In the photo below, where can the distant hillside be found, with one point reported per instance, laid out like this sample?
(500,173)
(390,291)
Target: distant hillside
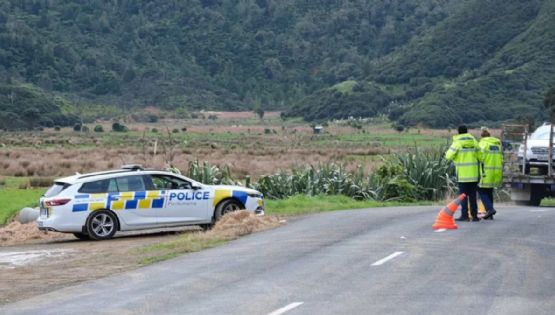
(409,59)
(26,107)
(489,61)
(212,54)
(510,64)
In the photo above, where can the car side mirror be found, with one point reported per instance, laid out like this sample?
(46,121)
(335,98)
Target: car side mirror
(195,187)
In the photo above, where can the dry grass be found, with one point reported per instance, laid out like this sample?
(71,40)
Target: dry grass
(252,159)
(16,233)
(230,227)
(246,149)
(239,223)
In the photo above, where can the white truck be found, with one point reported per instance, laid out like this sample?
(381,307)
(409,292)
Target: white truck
(528,169)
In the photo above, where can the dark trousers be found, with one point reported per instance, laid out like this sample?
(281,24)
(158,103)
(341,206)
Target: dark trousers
(486,195)
(470,190)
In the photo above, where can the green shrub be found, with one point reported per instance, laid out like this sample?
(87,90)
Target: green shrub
(36,182)
(210,174)
(422,175)
(77,127)
(98,128)
(118,127)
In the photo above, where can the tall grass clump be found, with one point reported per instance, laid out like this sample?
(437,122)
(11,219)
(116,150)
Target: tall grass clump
(420,175)
(210,174)
(431,174)
(328,179)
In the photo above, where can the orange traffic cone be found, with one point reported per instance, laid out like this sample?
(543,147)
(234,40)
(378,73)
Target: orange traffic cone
(444,218)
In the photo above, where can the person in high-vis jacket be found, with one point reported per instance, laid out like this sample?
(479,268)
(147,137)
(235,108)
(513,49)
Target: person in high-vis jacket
(464,153)
(491,170)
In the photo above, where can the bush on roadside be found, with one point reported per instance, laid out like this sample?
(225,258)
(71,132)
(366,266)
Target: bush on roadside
(37,182)
(421,175)
(98,128)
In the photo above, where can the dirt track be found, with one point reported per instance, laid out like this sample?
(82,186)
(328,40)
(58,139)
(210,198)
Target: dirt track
(44,265)
(44,262)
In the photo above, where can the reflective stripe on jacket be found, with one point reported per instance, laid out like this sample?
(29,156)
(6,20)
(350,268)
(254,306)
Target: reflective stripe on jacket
(464,153)
(491,162)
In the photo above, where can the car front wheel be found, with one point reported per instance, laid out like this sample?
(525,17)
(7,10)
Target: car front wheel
(227,206)
(101,225)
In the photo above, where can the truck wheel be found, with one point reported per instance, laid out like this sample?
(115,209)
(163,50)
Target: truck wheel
(537,192)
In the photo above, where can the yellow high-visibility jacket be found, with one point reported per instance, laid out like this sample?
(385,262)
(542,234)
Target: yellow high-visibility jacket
(491,162)
(464,153)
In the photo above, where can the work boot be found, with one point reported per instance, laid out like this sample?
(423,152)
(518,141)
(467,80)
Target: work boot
(489,214)
(461,219)
(475,219)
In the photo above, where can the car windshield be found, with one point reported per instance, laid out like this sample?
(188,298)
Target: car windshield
(541,134)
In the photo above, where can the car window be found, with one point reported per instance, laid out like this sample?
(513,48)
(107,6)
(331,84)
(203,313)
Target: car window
(99,186)
(55,189)
(130,183)
(169,182)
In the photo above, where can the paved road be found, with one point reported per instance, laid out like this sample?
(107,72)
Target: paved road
(374,261)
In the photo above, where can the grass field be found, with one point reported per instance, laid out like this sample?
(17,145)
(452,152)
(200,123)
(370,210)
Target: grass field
(13,198)
(248,145)
(303,204)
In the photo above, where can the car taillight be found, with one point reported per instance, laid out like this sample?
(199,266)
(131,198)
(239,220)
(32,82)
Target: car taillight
(57,202)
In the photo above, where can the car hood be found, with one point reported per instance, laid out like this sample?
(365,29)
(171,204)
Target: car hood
(538,143)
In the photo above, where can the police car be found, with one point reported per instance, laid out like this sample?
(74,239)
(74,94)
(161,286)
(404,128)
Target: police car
(97,205)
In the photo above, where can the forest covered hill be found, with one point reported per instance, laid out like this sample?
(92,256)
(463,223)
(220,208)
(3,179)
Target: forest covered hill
(417,61)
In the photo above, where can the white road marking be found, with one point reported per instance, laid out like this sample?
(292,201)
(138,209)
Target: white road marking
(386,259)
(440,230)
(542,210)
(286,308)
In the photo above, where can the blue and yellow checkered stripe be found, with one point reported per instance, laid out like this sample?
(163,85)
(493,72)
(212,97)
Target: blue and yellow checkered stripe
(120,201)
(222,194)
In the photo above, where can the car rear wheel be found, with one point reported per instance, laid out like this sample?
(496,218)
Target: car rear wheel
(227,206)
(82,236)
(101,225)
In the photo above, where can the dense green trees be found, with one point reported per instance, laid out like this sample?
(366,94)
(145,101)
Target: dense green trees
(218,54)
(26,107)
(549,102)
(488,61)
(418,61)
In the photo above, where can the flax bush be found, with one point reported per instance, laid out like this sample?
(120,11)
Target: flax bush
(418,175)
(210,174)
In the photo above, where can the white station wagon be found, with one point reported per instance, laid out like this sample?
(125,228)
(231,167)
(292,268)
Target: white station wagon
(97,205)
